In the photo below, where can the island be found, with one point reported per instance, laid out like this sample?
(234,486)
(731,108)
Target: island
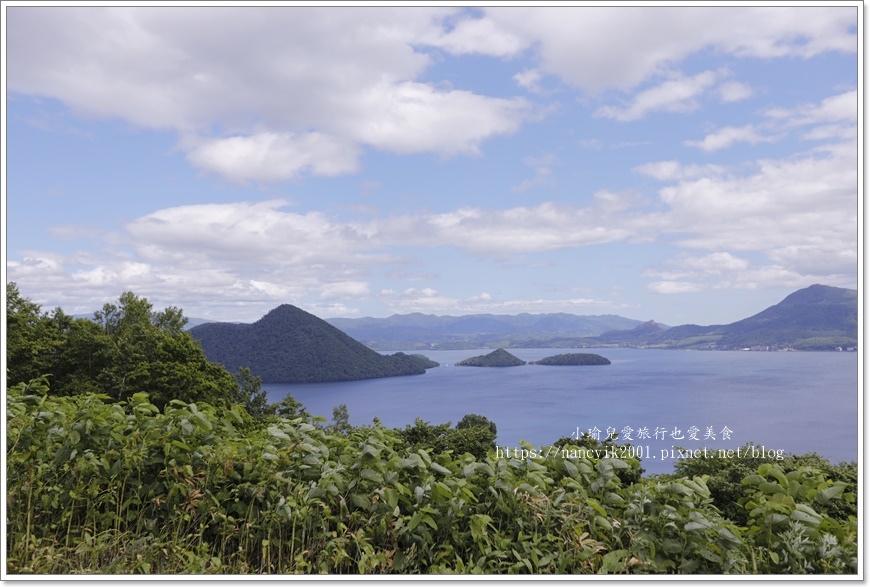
(572,359)
(497,358)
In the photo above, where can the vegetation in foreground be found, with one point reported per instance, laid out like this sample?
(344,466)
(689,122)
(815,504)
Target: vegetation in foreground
(95,486)
(119,480)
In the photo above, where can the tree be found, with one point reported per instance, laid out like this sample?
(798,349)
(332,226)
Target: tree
(126,349)
(475,435)
(289,407)
(340,420)
(477,421)
(32,337)
(251,394)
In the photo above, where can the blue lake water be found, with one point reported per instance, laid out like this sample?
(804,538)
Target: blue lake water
(791,401)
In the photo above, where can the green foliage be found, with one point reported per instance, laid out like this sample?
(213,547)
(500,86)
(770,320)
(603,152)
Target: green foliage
(586,443)
(477,421)
(787,521)
(725,477)
(128,348)
(95,486)
(474,435)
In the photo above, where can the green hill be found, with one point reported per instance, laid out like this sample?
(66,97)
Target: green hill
(497,358)
(289,345)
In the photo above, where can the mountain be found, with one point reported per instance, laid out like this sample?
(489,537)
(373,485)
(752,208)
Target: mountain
(497,358)
(642,332)
(426,331)
(818,317)
(289,345)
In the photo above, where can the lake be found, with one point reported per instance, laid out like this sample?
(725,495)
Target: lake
(784,401)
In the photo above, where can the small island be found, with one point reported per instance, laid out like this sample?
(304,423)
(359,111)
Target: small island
(572,359)
(497,358)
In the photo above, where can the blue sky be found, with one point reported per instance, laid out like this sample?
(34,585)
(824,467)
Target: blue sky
(688,165)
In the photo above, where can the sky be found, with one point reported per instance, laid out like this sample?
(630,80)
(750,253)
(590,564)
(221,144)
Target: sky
(687,165)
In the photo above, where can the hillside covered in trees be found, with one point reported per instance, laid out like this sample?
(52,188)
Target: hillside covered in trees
(289,345)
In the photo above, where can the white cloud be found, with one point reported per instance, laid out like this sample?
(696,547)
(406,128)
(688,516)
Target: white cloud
(800,200)
(835,117)
(611,201)
(675,95)
(530,79)
(727,136)
(842,107)
(269,92)
(428,300)
(723,271)
(295,90)
(275,157)
(673,287)
(413,118)
(800,212)
(734,91)
(598,48)
(481,36)
(345,289)
(674,170)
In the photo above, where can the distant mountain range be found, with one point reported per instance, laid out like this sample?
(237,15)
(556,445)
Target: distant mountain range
(818,317)
(426,331)
(289,345)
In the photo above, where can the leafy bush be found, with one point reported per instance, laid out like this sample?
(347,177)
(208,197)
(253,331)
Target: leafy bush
(95,486)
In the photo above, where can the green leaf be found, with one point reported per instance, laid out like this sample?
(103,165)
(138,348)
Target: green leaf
(278,433)
(570,468)
(829,493)
(440,469)
(359,501)
(370,475)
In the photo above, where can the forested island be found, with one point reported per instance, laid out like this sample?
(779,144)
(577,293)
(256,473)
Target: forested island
(289,345)
(497,358)
(572,359)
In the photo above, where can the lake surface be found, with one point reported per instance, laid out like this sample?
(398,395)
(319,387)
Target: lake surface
(791,401)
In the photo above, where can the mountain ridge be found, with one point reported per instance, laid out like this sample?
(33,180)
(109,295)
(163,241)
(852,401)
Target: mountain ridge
(817,317)
(429,331)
